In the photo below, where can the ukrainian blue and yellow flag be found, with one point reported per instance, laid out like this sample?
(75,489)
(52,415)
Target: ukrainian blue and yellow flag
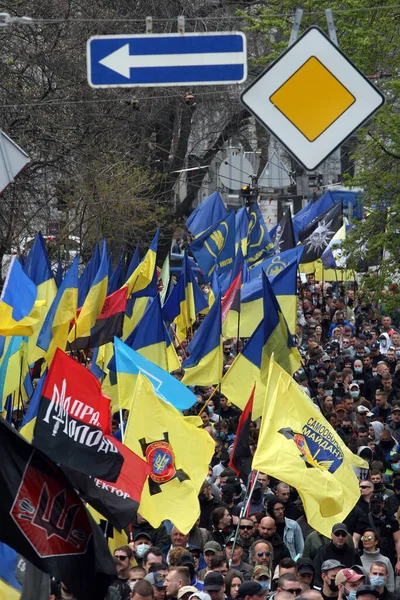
(37,267)
(271,337)
(133,264)
(177,451)
(297,445)
(215,247)
(209,212)
(12,361)
(241,229)
(204,364)
(143,275)
(184,302)
(10,588)
(18,313)
(284,286)
(88,275)
(54,332)
(259,244)
(94,301)
(150,338)
(29,421)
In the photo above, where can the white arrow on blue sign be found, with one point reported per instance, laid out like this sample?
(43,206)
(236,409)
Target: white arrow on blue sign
(166,60)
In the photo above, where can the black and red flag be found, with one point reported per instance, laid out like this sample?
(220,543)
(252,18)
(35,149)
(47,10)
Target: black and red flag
(231,300)
(74,419)
(43,519)
(241,456)
(117,501)
(108,324)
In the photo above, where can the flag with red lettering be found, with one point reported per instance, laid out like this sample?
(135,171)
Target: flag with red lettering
(119,500)
(73,421)
(231,300)
(43,519)
(108,324)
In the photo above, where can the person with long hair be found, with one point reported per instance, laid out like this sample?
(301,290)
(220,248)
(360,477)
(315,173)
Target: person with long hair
(371,553)
(233,580)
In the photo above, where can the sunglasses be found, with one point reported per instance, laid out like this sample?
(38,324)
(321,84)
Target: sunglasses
(248,527)
(120,556)
(367,538)
(365,487)
(261,554)
(341,534)
(295,592)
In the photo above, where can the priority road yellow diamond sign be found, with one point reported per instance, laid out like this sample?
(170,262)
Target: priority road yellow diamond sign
(312,98)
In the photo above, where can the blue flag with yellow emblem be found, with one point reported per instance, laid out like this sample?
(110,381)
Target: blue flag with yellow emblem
(259,244)
(216,247)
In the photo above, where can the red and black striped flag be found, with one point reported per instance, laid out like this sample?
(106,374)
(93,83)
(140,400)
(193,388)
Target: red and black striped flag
(108,324)
(241,454)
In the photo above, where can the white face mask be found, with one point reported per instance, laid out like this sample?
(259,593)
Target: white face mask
(142,549)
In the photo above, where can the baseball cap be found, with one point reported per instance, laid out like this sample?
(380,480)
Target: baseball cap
(185,589)
(374,346)
(155,579)
(363,410)
(250,588)
(377,497)
(395,407)
(305,565)
(213,581)
(327,565)
(201,595)
(231,539)
(261,571)
(212,547)
(340,407)
(339,527)
(347,575)
(367,589)
(185,559)
(142,534)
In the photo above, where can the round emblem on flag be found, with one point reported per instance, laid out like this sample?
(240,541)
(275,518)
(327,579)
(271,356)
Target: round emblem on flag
(161,458)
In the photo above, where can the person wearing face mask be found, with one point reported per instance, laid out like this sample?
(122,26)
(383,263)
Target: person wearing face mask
(371,553)
(378,575)
(387,528)
(263,576)
(329,570)
(348,582)
(376,477)
(142,542)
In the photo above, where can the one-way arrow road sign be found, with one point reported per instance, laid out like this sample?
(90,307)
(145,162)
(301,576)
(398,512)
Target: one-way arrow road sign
(166,60)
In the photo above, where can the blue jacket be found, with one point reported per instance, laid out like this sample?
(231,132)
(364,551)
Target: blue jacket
(293,538)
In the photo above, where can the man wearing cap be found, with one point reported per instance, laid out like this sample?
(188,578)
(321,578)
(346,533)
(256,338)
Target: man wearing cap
(263,576)
(348,582)
(157,581)
(186,592)
(235,558)
(378,575)
(214,585)
(305,572)
(394,424)
(329,570)
(142,542)
(363,415)
(251,590)
(187,560)
(337,549)
(368,592)
(158,536)
(209,551)
(387,528)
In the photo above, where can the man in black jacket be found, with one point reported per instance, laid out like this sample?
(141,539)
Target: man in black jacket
(267,531)
(336,549)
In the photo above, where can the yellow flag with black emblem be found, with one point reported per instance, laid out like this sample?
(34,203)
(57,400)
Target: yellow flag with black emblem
(177,451)
(297,445)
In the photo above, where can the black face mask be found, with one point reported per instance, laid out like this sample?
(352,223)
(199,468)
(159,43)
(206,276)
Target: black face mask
(347,429)
(378,486)
(332,585)
(387,443)
(376,508)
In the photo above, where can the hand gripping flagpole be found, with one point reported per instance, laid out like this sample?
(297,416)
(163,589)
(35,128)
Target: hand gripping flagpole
(243,511)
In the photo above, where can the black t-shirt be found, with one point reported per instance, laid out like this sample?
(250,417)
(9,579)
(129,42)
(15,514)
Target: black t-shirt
(123,588)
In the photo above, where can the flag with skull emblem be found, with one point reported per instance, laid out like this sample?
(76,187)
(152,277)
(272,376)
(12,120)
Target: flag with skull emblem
(316,236)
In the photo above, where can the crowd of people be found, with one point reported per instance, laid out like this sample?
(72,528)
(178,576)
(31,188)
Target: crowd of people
(351,372)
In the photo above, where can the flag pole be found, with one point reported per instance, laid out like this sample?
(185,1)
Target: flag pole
(179,343)
(208,400)
(243,510)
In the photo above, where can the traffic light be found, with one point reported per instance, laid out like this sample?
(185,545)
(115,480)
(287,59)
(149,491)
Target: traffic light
(248,194)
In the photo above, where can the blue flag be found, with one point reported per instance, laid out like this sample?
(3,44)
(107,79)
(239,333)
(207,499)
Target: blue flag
(259,244)
(206,214)
(216,247)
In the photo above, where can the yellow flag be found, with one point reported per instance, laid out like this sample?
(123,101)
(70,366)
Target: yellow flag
(178,452)
(298,446)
